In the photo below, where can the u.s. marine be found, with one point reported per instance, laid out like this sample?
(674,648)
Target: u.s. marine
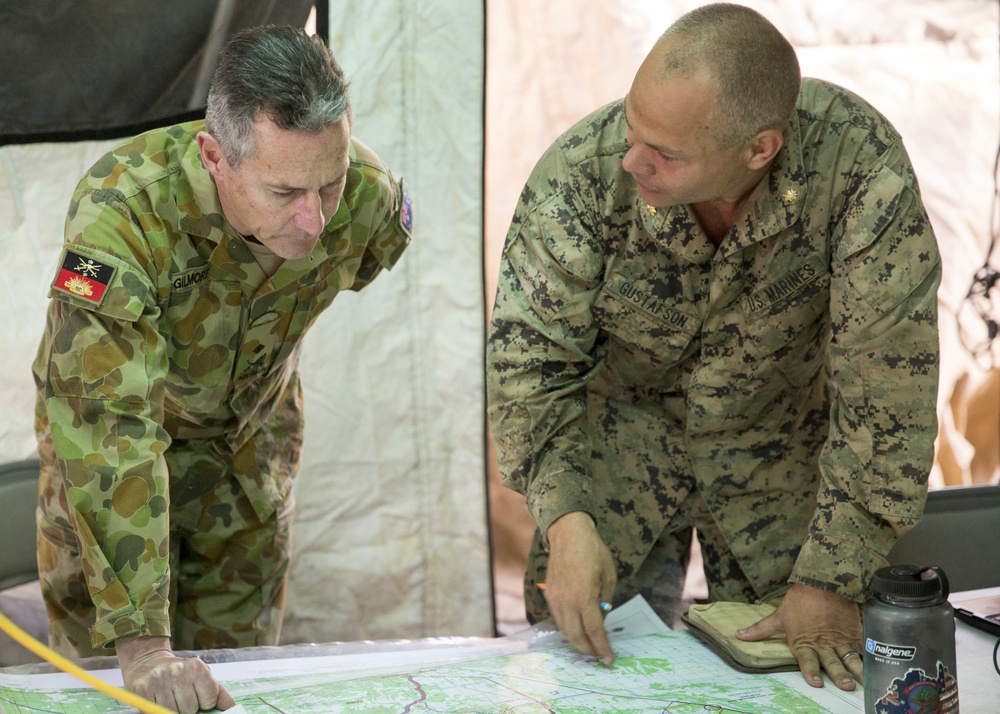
(717,311)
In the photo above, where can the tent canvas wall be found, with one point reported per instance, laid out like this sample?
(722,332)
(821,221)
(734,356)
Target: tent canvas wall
(391,534)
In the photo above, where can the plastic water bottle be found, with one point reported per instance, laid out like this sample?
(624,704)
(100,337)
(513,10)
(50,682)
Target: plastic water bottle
(909,633)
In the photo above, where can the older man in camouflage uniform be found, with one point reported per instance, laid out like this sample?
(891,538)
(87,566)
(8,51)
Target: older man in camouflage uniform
(717,310)
(170,410)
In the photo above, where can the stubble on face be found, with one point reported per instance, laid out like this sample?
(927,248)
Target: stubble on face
(286,192)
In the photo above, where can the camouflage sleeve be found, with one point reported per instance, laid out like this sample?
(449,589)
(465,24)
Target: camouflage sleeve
(384,211)
(884,360)
(540,355)
(100,374)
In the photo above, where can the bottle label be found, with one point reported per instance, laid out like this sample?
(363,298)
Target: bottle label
(917,691)
(900,653)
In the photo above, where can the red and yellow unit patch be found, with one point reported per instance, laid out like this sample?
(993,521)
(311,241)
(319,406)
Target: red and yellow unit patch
(83,277)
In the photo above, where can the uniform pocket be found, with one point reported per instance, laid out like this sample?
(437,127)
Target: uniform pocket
(789,325)
(646,337)
(201,325)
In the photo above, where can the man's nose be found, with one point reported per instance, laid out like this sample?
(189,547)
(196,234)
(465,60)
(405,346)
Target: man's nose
(309,216)
(634,163)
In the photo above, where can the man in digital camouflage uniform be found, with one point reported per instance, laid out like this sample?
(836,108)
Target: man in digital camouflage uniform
(717,310)
(170,416)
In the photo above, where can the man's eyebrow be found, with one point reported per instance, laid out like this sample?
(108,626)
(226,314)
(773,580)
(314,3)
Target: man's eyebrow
(283,187)
(661,149)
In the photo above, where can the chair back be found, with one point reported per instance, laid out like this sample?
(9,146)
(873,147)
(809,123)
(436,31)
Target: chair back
(960,532)
(18,540)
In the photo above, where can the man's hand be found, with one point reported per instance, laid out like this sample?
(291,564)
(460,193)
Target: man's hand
(820,628)
(581,574)
(151,670)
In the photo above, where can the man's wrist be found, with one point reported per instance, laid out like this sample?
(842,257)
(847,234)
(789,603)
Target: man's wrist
(130,649)
(570,525)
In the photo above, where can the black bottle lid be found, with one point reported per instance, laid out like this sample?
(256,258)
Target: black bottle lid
(910,582)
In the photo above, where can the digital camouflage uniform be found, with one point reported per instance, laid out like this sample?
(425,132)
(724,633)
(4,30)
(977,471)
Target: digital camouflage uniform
(778,392)
(169,415)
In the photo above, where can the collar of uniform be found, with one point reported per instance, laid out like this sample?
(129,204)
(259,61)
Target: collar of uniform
(198,209)
(677,229)
(232,256)
(777,201)
(352,187)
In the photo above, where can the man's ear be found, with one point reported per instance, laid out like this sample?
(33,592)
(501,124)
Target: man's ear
(211,153)
(763,148)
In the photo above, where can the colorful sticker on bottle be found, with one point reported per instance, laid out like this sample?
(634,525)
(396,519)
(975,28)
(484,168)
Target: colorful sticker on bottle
(919,693)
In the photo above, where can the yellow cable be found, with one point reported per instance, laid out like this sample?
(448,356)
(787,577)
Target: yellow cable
(143,705)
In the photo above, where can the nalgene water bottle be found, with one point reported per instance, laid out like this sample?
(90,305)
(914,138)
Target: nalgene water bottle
(909,632)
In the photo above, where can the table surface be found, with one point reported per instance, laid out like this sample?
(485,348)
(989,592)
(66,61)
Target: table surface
(978,681)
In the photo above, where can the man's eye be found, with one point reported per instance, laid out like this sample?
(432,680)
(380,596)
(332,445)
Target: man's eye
(281,194)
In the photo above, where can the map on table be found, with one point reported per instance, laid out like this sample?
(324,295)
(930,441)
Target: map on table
(656,670)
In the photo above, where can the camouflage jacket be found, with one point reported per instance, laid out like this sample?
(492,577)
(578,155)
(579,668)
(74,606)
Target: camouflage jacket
(162,328)
(789,375)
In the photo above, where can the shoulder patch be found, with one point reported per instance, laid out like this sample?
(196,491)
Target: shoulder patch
(83,277)
(405,207)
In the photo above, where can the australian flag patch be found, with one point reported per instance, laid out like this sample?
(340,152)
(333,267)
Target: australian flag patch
(405,208)
(83,277)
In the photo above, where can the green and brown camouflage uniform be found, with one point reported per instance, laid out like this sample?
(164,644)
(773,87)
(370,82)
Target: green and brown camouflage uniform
(777,392)
(169,413)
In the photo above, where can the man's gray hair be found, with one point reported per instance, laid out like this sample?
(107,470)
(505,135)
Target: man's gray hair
(276,72)
(755,67)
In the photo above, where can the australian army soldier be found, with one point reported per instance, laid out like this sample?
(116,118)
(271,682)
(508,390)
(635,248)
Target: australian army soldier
(169,412)
(717,311)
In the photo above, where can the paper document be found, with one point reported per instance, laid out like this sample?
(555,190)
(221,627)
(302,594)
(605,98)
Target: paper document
(656,670)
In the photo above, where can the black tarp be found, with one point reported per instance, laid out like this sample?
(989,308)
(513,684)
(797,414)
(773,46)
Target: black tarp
(88,69)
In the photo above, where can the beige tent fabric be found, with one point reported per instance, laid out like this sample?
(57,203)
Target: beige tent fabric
(390,537)
(930,66)
(548,63)
(967,450)
(390,532)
